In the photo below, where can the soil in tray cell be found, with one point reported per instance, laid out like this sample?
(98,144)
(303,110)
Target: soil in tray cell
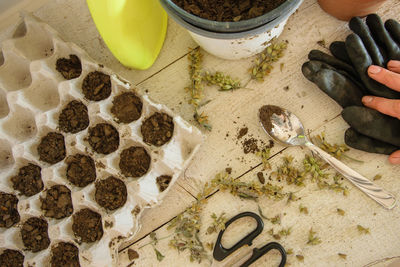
(81,170)
(52,148)
(57,203)
(163,182)
(87,226)
(69,68)
(96,86)
(11,258)
(228,10)
(29,180)
(157,129)
(34,234)
(8,210)
(65,254)
(74,117)
(103,138)
(127,107)
(111,193)
(134,161)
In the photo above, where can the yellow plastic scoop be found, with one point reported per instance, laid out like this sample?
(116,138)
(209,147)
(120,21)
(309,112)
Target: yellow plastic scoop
(133,30)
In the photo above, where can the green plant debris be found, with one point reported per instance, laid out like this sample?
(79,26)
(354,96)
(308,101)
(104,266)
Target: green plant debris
(223,81)
(303,209)
(265,154)
(218,223)
(261,213)
(340,212)
(276,219)
(362,230)
(160,256)
(291,197)
(285,231)
(289,251)
(313,239)
(263,65)
(377,177)
(210,245)
(322,43)
(343,256)
(300,257)
(336,150)
(275,236)
(287,172)
(153,237)
(246,190)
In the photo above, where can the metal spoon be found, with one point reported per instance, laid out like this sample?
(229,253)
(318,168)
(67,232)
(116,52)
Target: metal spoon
(286,128)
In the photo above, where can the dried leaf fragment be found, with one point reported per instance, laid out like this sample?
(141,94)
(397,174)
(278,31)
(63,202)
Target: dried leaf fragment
(363,230)
(160,256)
(300,257)
(343,256)
(313,239)
(340,212)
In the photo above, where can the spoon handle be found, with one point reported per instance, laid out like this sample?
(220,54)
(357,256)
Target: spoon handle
(384,198)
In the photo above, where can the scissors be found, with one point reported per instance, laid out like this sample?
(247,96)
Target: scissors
(246,252)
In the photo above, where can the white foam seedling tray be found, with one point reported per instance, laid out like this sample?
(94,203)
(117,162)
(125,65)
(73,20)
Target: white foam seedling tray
(32,95)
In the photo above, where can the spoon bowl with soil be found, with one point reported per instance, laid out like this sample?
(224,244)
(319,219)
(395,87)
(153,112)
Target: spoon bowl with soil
(286,128)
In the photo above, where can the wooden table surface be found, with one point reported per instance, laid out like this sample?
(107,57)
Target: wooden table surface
(230,111)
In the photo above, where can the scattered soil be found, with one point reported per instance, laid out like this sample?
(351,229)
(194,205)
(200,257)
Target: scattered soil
(74,117)
(65,254)
(134,162)
(136,210)
(250,145)
(81,170)
(103,138)
(260,177)
(57,203)
(111,193)
(265,115)
(69,68)
(96,86)
(11,258)
(163,182)
(34,234)
(228,10)
(87,225)
(157,129)
(242,132)
(29,180)
(52,148)
(132,254)
(228,170)
(8,210)
(127,107)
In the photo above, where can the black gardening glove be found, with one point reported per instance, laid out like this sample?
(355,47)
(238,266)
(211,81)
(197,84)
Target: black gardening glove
(344,78)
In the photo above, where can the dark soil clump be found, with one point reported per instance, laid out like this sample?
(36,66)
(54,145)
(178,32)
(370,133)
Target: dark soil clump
(87,226)
(69,68)
(250,146)
(11,258)
(111,193)
(260,177)
(132,254)
(8,210)
(157,129)
(242,132)
(52,148)
(103,138)
(57,203)
(96,86)
(163,182)
(81,170)
(228,10)
(265,115)
(127,107)
(29,180)
(74,117)
(65,254)
(134,161)
(34,234)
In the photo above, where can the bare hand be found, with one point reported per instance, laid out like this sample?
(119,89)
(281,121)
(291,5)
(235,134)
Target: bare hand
(391,78)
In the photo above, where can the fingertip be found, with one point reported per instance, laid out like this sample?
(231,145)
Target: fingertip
(373,70)
(395,158)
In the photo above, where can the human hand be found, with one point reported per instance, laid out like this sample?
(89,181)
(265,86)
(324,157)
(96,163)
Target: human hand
(391,78)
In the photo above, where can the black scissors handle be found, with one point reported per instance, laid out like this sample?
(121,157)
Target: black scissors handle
(221,253)
(258,252)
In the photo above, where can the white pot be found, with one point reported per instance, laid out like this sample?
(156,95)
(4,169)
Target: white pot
(235,45)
